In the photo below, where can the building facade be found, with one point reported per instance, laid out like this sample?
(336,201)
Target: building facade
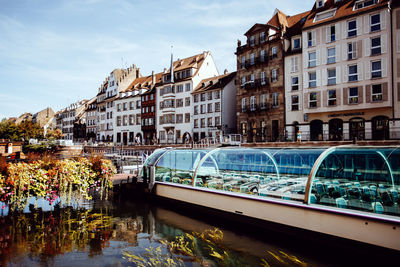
(260,84)
(174,107)
(91,119)
(214,101)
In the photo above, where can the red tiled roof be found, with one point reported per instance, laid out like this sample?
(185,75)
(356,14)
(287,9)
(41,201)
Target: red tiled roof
(213,83)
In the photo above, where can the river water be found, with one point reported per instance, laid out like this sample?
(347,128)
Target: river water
(142,233)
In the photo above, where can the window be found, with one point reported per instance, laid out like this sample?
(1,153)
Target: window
(352,50)
(332,98)
(203,97)
(320,3)
(312,79)
(262,37)
(365,3)
(353,75)
(331,34)
(252,103)
(263,101)
(131,105)
(376,92)
(217,94)
(252,77)
(295,102)
(162,135)
(295,83)
(274,52)
(196,123)
(209,122)
(353,95)
(262,56)
(187,101)
(125,120)
(209,107)
(311,38)
(376,69)
(118,107)
(203,108)
(376,46)
(131,119)
(243,80)
(118,137)
(179,102)
(180,88)
(351,28)
(196,110)
(375,22)
(296,43)
(274,76)
(217,107)
(217,121)
(203,123)
(187,117)
(243,62)
(331,55)
(325,15)
(196,98)
(179,118)
(118,120)
(331,76)
(312,59)
(252,40)
(152,96)
(138,119)
(312,102)
(263,78)
(209,96)
(244,105)
(275,100)
(138,104)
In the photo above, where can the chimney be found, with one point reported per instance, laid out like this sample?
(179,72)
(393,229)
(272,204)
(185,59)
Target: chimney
(239,43)
(204,53)
(225,72)
(137,73)
(165,70)
(153,78)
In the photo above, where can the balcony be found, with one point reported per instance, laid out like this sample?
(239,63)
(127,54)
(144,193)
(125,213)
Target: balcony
(257,62)
(258,83)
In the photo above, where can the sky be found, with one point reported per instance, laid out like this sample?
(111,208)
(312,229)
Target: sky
(54,53)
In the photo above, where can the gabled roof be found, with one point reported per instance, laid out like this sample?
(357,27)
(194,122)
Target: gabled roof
(213,83)
(344,9)
(195,61)
(278,20)
(255,27)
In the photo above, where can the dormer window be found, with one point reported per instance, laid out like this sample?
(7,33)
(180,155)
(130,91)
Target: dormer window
(320,3)
(364,3)
(296,43)
(252,40)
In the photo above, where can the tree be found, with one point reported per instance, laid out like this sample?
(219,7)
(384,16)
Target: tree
(54,134)
(8,130)
(21,132)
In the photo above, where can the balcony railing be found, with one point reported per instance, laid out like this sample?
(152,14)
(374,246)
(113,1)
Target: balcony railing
(255,84)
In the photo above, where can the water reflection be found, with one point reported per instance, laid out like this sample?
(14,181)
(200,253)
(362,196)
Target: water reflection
(135,234)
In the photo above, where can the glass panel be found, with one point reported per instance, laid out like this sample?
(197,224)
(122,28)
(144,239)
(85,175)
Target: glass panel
(260,172)
(365,179)
(178,166)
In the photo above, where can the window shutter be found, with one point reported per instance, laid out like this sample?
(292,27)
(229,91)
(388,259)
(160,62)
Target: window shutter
(338,76)
(398,43)
(306,97)
(292,64)
(383,19)
(324,77)
(359,25)
(385,93)
(368,70)
(300,102)
(360,94)
(338,97)
(318,56)
(314,36)
(328,33)
(367,47)
(345,73)
(305,60)
(384,43)
(358,47)
(366,24)
(384,67)
(360,71)
(305,79)
(345,96)
(318,74)
(344,52)
(324,55)
(318,99)
(337,31)
(325,98)
(304,39)
(344,29)
(368,93)
(337,53)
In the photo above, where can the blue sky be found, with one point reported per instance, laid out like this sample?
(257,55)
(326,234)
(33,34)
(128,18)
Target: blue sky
(53,53)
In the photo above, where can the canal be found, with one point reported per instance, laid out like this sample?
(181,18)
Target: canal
(137,232)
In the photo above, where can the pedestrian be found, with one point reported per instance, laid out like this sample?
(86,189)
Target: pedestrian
(299,136)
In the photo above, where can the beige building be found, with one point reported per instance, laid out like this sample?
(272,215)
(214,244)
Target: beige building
(346,72)
(43,117)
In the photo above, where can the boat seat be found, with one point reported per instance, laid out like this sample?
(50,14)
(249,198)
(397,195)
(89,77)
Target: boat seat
(377,207)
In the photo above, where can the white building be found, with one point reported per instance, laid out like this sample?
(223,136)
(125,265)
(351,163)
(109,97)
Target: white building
(67,118)
(174,107)
(214,105)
